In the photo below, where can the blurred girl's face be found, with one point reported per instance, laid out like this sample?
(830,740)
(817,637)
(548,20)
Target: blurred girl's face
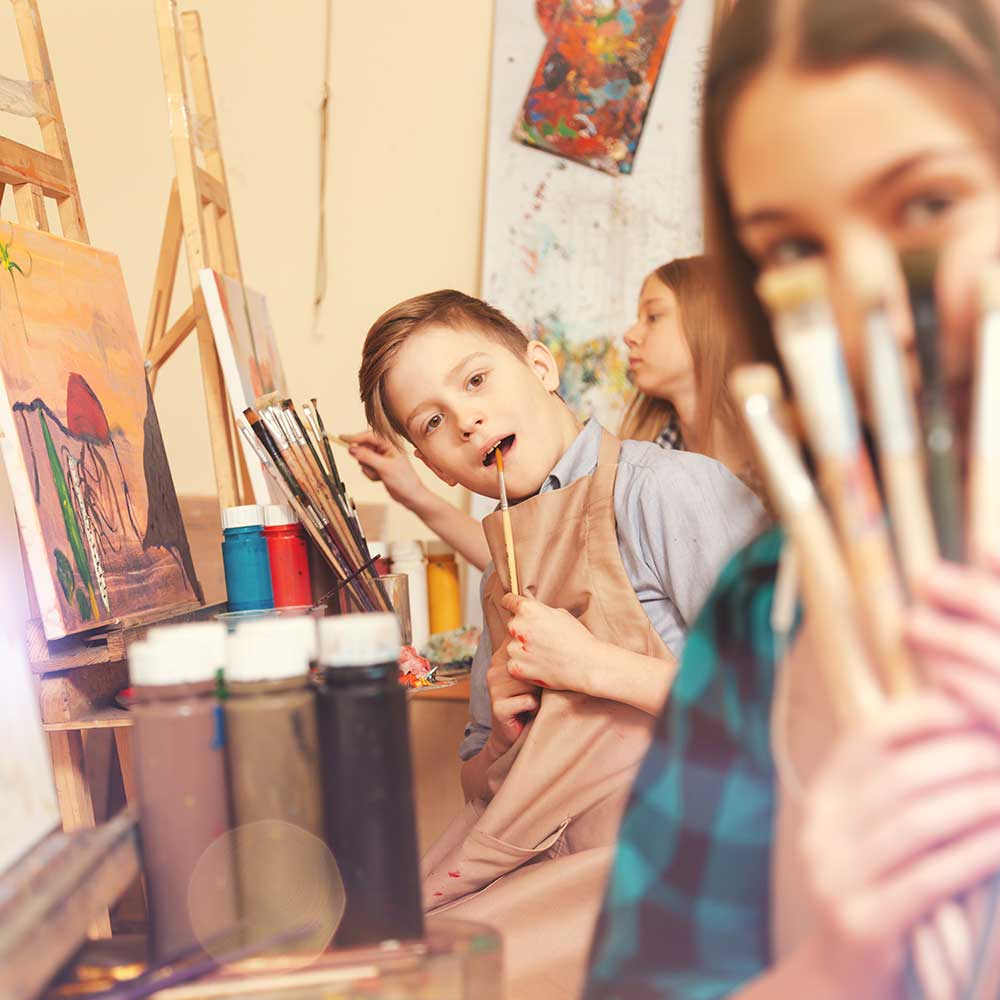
(658,353)
(852,165)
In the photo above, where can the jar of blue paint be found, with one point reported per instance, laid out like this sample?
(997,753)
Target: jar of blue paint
(244,556)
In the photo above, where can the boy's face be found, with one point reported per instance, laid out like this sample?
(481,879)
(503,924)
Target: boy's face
(457,393)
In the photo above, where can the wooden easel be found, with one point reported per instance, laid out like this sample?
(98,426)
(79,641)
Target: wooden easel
(199,213)
(79,675)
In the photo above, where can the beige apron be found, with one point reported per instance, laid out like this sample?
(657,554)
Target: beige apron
(533,859)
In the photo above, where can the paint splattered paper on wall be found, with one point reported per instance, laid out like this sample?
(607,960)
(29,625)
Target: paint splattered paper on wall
(591,91)
(248,353)
(95,501)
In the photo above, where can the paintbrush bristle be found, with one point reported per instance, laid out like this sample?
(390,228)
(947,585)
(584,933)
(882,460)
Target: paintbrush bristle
(748,381)
(871,274)
(268,399)
(793,286)
(501,480)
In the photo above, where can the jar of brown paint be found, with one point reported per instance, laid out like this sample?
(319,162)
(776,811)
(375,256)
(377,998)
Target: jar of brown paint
(178,745)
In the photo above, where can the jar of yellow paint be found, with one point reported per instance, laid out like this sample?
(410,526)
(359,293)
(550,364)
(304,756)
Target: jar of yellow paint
(443,594)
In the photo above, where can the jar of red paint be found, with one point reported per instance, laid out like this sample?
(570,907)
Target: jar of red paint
(286,548)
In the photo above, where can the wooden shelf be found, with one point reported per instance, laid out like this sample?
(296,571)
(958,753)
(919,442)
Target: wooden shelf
(111,717)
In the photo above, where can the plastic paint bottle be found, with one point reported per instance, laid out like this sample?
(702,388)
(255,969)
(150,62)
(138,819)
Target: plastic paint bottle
(444,597)
(408,557)
(272,756)
(244,557)
(288,556)
(178,746)
(367,779)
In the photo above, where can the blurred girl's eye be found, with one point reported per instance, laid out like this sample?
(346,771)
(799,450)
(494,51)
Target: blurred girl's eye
(433,424)
(925,208)
(789,250)
(476,380)
(654,317)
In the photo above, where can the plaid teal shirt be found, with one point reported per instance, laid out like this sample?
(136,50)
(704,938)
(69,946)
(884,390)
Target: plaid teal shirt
(686,914)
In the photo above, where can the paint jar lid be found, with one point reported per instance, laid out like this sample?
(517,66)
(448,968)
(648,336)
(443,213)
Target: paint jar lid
(358,640)
(191,653)
(271,649)
(439,550)
(409,550)
(248,516)
(278,514)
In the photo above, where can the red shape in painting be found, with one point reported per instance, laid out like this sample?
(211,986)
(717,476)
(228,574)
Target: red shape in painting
(84,414)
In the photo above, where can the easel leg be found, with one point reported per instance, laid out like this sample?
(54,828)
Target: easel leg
(75,804)
(123,744)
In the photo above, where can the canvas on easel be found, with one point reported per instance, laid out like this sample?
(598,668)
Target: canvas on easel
(248,353)
(93,492)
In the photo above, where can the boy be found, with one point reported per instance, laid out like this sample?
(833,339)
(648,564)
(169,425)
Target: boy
(616,546)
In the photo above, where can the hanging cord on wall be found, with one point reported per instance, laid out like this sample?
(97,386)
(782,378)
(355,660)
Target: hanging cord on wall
(319,290)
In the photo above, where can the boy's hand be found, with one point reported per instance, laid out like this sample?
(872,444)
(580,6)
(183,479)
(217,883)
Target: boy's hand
(549,647)
(381,462)
(509,698)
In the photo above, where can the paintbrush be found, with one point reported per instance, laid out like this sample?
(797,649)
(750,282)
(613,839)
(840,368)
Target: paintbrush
(315,422)
(331,479)
(309,517)
(301,502)
(984,451)
(940,445)
(324,437)
(900,454)
(809,344)
(508,534)
(165,975)
(829,600)
(983,904)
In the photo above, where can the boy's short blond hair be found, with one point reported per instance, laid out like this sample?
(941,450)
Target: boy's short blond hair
(395,326)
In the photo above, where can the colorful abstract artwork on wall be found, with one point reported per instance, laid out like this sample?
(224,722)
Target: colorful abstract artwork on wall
(248,353)
(590,93)
(95,500)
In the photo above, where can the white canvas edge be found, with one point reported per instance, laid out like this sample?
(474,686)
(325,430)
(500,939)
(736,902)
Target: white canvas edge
(29,523)
(28,817)
(231,375)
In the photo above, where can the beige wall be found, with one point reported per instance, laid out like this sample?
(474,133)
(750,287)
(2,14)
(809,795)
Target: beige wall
(409,89)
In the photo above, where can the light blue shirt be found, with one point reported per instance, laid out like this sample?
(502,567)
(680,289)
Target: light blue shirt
(680,516)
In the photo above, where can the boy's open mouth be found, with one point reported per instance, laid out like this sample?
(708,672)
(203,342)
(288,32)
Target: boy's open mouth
(503,445)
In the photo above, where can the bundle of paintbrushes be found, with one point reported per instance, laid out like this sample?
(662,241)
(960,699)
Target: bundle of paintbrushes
(298,456)
(858,568)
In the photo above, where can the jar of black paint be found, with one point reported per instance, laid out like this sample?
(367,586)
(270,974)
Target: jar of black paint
(364,739)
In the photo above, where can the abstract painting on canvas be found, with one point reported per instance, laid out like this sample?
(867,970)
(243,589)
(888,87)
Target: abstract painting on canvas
(248,353)
(591,90)
(95,500)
